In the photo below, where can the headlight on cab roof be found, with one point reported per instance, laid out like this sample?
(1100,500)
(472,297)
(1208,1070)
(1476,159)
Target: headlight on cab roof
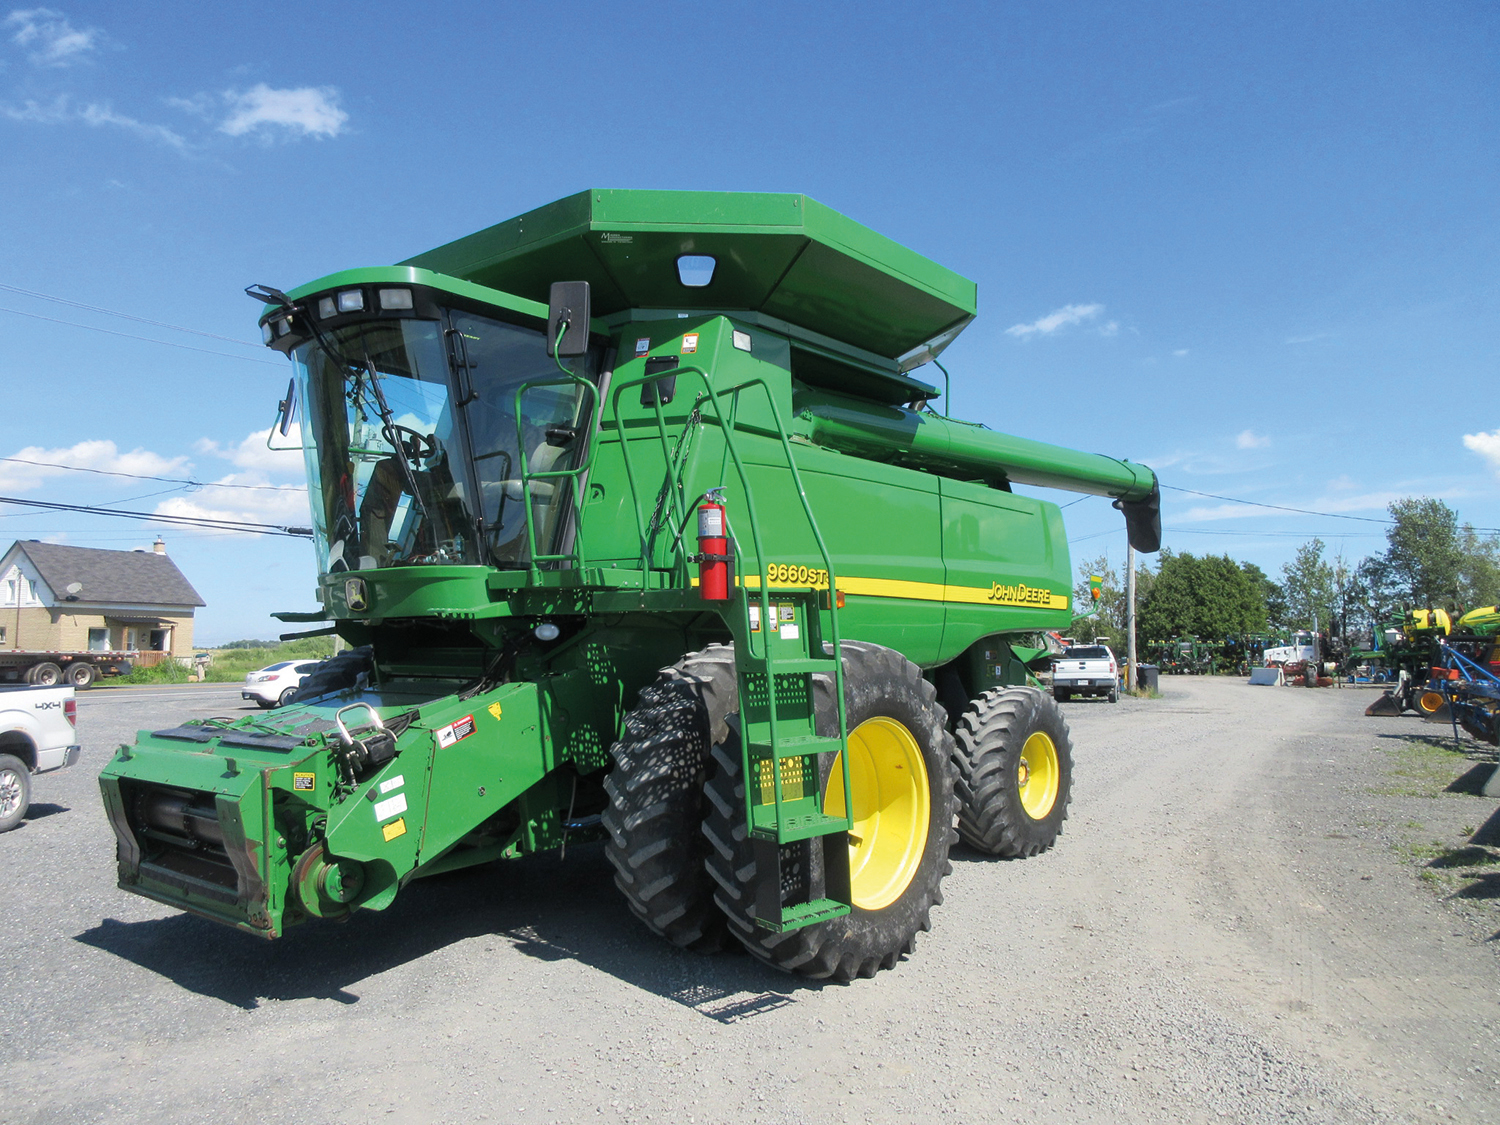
(395,299)
(352,300)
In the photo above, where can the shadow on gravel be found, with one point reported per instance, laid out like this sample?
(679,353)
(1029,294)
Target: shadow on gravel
(38,812)
(539,907)
(1488,834)
(1483,887)
(1473,779)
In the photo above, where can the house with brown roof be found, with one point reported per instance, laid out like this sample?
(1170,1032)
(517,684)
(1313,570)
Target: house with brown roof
(56,598)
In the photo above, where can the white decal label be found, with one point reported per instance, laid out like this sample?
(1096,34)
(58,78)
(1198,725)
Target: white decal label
(690,343)
(391,783)
(790,632)
(391,806)
(755,618)
(455,731)
(643,345)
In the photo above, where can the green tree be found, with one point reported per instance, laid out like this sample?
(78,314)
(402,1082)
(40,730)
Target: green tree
(1424,551)
(1308,581)
(1272,598)
(1210,598)
(1109,625)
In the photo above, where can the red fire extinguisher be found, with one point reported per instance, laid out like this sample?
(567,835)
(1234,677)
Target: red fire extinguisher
(713,551)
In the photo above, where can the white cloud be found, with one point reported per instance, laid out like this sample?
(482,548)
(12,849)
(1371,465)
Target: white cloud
(1249,439)
(62,112)
(51,40)
(1058,318)
(1110,329)
(1487,446)
(283,506)
(18,476)
(1180,352)
(311,111)
(253,455)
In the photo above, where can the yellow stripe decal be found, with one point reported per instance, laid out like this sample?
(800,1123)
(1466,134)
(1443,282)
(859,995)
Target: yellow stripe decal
(996,593)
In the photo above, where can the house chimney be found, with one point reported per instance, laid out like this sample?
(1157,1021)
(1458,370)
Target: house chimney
(160,546)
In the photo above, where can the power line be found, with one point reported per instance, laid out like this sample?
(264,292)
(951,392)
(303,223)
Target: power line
(124,315)
(155,517)
(146,339)
(145,476)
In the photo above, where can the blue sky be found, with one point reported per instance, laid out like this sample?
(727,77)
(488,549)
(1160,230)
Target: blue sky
(1254,246)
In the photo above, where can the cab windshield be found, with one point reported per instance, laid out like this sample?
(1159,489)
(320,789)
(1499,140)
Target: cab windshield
(405,469)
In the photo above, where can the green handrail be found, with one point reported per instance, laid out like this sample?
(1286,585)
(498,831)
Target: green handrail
(574,475)
(712,396)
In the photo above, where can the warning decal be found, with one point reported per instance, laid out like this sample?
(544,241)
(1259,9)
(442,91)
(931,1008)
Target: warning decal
(455,731)
(643,345)
(304,782)
(690,343)
(393,829)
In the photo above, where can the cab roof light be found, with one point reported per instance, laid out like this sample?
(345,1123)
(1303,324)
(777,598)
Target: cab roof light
(326,308)
(352,300)
(695,270)
(283,325)
(395,299)
(266,335)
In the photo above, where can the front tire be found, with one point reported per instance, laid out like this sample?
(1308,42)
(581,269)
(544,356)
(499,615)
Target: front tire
(1015,772)
(898,851)
(287,696)
(657,801)
(15,791)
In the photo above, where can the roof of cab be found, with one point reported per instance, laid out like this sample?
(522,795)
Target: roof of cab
(786,257)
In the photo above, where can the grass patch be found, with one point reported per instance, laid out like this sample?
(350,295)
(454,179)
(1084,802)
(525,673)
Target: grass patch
(1420,767)
(231,664)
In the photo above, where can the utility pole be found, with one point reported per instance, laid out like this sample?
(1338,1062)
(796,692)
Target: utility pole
(1132,676)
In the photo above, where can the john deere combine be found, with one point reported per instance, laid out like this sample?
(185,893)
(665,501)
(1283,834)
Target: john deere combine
(643,530)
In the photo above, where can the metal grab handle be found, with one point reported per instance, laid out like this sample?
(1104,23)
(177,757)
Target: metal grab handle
(344,736)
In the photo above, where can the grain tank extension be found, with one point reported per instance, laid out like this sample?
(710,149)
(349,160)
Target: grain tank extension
(641,529)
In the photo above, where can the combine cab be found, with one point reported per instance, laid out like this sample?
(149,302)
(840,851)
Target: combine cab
(642,529)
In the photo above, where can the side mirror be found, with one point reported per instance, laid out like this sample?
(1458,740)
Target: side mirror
(1143,521)
(568,312)
(288,407)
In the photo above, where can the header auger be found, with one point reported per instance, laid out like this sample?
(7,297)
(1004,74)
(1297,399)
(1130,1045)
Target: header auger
(676,556)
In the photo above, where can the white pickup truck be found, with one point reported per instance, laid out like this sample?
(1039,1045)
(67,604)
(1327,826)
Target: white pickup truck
(37,735)
(1085,670)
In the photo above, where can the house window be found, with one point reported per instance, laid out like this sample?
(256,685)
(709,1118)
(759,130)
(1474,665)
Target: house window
(98,640)
(161,640)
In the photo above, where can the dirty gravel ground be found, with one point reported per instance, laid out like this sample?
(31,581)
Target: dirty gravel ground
(1234,927)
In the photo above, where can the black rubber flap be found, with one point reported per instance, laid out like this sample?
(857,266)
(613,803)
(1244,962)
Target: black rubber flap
(190,734)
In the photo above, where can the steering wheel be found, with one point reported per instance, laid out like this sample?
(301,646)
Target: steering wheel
(415,444)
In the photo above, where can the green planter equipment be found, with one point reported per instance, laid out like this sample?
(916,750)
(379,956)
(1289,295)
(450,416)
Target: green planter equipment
(640,528)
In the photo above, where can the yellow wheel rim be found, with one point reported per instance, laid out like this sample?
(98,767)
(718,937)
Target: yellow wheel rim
(1037,775)
(1430,701)
(892,810)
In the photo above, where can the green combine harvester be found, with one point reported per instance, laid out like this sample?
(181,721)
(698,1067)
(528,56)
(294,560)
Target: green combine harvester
(642,530)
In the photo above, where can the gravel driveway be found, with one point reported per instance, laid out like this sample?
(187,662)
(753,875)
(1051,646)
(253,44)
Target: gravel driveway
(1232,928)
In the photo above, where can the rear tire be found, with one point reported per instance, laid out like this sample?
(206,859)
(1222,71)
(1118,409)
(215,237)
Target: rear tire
(1015,772)
(337,673)
(657,800)
(15,791)
(885,692)
(82,675)
(1061,695)
(265,704)
(1114,695)
(45,674)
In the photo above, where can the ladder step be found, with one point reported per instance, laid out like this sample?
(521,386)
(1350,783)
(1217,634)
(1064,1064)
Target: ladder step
(796,746)
(801,664)
(794,826)
(801,914)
